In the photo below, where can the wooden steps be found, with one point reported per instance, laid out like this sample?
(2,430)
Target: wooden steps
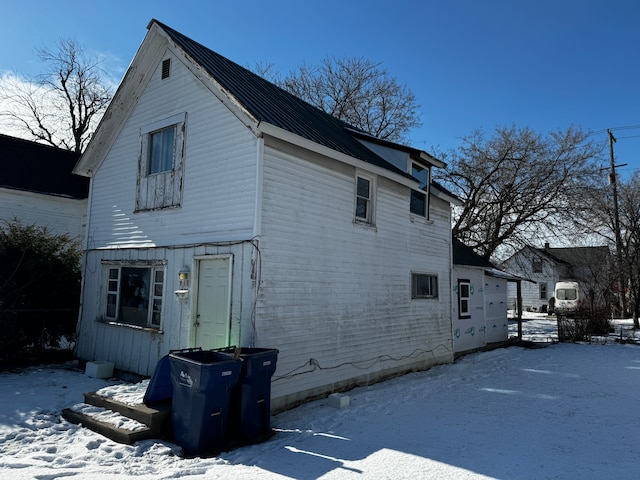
(114,419)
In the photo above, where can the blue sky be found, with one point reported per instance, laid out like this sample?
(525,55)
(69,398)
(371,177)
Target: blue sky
(545,64)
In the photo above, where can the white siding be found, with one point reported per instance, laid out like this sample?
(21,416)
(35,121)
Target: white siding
(138,350)
(216,217)
(488,307)
(521,264)
(219,172)
(60,214)
(335,296)
(468,333)
(495,298)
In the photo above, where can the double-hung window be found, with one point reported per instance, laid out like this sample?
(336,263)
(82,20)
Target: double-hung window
(464,299)
(364,199)
(134,294)
(161,164)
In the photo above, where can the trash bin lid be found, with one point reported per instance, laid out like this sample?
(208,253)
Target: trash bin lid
(160,387)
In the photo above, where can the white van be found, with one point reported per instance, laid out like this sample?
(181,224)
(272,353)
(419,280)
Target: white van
(567,297)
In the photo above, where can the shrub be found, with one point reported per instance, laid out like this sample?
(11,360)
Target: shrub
(39,291)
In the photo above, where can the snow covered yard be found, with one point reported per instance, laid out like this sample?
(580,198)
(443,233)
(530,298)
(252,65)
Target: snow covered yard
(565,411)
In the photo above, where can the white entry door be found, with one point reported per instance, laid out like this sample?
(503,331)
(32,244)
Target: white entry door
(213,304)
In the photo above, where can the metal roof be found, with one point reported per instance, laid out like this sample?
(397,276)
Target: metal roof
(271,104)
(39,168)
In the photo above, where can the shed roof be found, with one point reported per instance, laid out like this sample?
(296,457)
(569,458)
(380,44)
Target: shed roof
(465,255)
(34,167)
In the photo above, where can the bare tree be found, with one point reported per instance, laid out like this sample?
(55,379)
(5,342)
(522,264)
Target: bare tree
(519,187)
(355,90)
(629,222)
(62,106)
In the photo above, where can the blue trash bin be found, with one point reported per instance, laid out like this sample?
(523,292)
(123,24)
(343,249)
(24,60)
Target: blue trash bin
(202,382)
(250,410)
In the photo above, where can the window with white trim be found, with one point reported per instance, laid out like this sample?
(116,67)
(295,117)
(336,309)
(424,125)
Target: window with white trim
(365,187)
(464,299)
(161,164)
(134,295)
(424,285)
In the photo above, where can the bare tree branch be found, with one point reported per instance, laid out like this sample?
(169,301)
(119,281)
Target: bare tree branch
(518,183)
(62,106)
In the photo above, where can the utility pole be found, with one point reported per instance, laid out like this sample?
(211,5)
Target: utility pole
(616,227)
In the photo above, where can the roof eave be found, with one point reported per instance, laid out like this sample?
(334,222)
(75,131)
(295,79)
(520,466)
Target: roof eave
(289,137)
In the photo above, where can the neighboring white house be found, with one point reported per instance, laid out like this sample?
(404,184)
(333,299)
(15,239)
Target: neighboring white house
(37,187)
(543,267)
(479,313)
(225,211)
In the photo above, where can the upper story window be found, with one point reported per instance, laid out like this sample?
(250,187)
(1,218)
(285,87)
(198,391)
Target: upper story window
(536,265)
(364,199)
(419,198)
(161,163)
(161,150)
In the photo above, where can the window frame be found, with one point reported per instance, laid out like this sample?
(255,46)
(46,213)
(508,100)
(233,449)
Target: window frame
(112,308)
(433,286)
(536,265)
(464,301)
(161,189)
(422,192)
(165,154)
(369,217)
(544,291)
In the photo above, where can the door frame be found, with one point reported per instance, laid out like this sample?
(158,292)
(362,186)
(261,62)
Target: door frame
(196,291)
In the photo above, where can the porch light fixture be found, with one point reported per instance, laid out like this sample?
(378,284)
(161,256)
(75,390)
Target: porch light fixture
(183,278)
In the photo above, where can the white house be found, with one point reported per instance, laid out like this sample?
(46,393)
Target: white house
(38,188)
(544,267)
(224,211)
(479,312)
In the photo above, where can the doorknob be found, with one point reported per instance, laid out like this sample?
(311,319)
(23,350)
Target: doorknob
(197,324)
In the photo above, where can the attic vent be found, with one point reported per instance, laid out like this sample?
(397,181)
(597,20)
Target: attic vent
(166,68)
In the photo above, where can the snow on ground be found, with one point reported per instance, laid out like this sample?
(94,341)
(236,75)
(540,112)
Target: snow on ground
(564,411)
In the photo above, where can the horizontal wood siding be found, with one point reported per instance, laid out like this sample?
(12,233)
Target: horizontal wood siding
(335,296)
(219,179)
(59,214)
